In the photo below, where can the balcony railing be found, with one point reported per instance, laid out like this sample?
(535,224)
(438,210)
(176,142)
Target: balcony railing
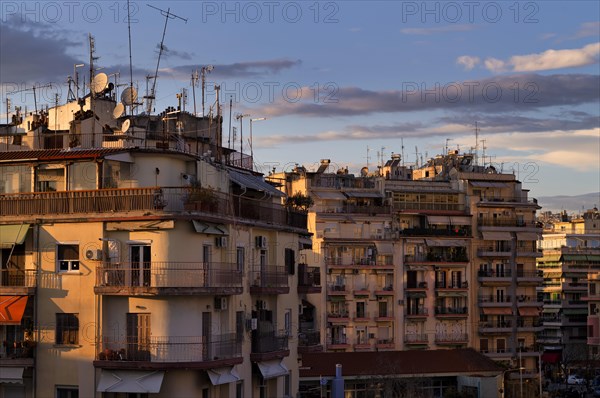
(451,338)
(505,222)
(170,349)
(491,273)
(269,341)
(427,206)
(458,232)
(451,310)
(494,299)
(271,276)
(213,277)
(13,277)
(437,256)
(307,338)
(451,285)
(169,199)
(417,312)
(415,338)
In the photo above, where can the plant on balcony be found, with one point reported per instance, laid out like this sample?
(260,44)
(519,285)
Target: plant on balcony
(200,198)
(299,201)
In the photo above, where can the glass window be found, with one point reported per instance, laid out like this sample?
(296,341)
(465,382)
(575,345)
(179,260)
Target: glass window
(82,176)
(67,329)
(67,256)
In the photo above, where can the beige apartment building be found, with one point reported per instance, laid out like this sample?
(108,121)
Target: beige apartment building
(141,261)
(442,256)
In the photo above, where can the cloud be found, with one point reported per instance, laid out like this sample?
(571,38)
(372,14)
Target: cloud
(437,29)
(588,29)
(35,53)
(467,61)
(238,70)
(518,93)
(170,53)
(547,60)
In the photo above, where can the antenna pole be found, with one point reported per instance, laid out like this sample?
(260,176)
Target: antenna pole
(130,59)
(402,146)
(194,84)
(168,15)
(477,144)
(230,111)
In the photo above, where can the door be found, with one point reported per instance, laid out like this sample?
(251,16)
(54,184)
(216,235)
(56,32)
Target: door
(141,257)
(206,261)
(138,337)
(411,279)
(456,279)
(206,340)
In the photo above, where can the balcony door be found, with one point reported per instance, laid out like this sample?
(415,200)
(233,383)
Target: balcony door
(141,257)
(206,328)
(138,337)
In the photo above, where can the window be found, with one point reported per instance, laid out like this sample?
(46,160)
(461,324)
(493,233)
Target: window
(290,261)
(240,257)
(67,257)
(483,345)
(592,289)
(239,389)
(500,345)
(286,385)
(67,392)
(288,321)
(67,328)
(239,326)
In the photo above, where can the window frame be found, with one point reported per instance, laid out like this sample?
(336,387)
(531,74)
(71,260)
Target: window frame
(73,265)
(66,322)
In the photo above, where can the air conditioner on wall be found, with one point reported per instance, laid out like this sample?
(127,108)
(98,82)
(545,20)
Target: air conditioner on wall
(221,241)
(93,254)
(261,242)
(220,303)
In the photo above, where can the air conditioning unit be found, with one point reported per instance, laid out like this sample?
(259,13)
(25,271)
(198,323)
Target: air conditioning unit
(400,302)
(220,303)
(221,241)
(261,242)
(93,254)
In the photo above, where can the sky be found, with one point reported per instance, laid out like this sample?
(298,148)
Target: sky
(349,81)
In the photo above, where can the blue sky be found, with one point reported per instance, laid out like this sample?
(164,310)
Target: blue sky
(336,78)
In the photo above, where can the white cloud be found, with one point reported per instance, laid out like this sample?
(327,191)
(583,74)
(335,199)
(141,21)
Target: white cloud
(547,60)
(588,29)
(467,61)
(495,65)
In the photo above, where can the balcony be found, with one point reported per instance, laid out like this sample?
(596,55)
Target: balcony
(17,353)
(451,338)
(339,343)
(384,344)
(20,282)
(384,291)
(362,345)
(416,313)
(493,301)
(309,341)
(506,222)
(530,326)
(163,199)
(338,317)
(491,251)
(367,209)
(458,232)
(437,257)
(510,200)
(495,327)
(168,278)
(336,290)
(457,288)
(269,280)
(451,312)
(309,279)
(169,352)
(361,290)
(268,345)
(494,277)
(416,339)
(416,287)
(357,263)
(362,316)
(530,277)
(384,316)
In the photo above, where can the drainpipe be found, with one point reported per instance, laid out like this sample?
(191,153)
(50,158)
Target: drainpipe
(38,280)
(337,386)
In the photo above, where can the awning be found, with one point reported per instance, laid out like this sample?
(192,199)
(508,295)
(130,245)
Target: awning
(529,311)
(132,381)
(223,375)
(446,242)
(208,228)
(328,195)
(527,236)
(550,258)
(272,369)
(574,257)
(11,375)
(384,248)
(460,220)
(575,311)
(551,357)
(451,293)
(438,220)
(363,194)
(12,309)
(250,181)
(416,294)
(304,242)
(11,235)
(497,311)
(496,235)
(488,184)
(551,310)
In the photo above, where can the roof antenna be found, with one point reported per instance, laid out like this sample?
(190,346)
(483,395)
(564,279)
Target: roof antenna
(168,15)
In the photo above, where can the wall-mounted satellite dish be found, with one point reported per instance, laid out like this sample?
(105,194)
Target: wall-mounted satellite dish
(125,125)
(118,111)
(129,96)
(99,83)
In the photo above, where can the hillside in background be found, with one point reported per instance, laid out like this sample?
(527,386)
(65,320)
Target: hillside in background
(572,204)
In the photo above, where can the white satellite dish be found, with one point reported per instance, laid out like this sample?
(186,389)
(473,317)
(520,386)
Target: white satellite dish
(118,111)
(99,83)
(125,125)
(129,96)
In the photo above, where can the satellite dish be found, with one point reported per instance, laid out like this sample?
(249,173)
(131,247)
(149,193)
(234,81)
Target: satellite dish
(118,111)
(129,96)
(99,83)
(125,125)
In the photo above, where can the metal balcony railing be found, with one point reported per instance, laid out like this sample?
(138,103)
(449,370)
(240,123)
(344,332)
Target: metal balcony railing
(451,337)
(170,348)
(269,276)
(309,276)
(307,338)
(505,222)
(451,310)
(269,341)
(14,277)
(169,275)
(494,299)
(415,338)
(417,312)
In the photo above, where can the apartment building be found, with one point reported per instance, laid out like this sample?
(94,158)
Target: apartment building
(440,256)
(138,261)
(570,264)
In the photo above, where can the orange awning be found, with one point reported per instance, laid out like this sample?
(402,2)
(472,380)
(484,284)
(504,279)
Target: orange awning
(529,311)
(12,309)
(497,311)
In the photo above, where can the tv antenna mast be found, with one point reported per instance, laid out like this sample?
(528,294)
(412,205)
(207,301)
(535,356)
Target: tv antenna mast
(168,15)
(477,145)
(49,85)
(195,79)
(203,71)
(402,147)
(368,157)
